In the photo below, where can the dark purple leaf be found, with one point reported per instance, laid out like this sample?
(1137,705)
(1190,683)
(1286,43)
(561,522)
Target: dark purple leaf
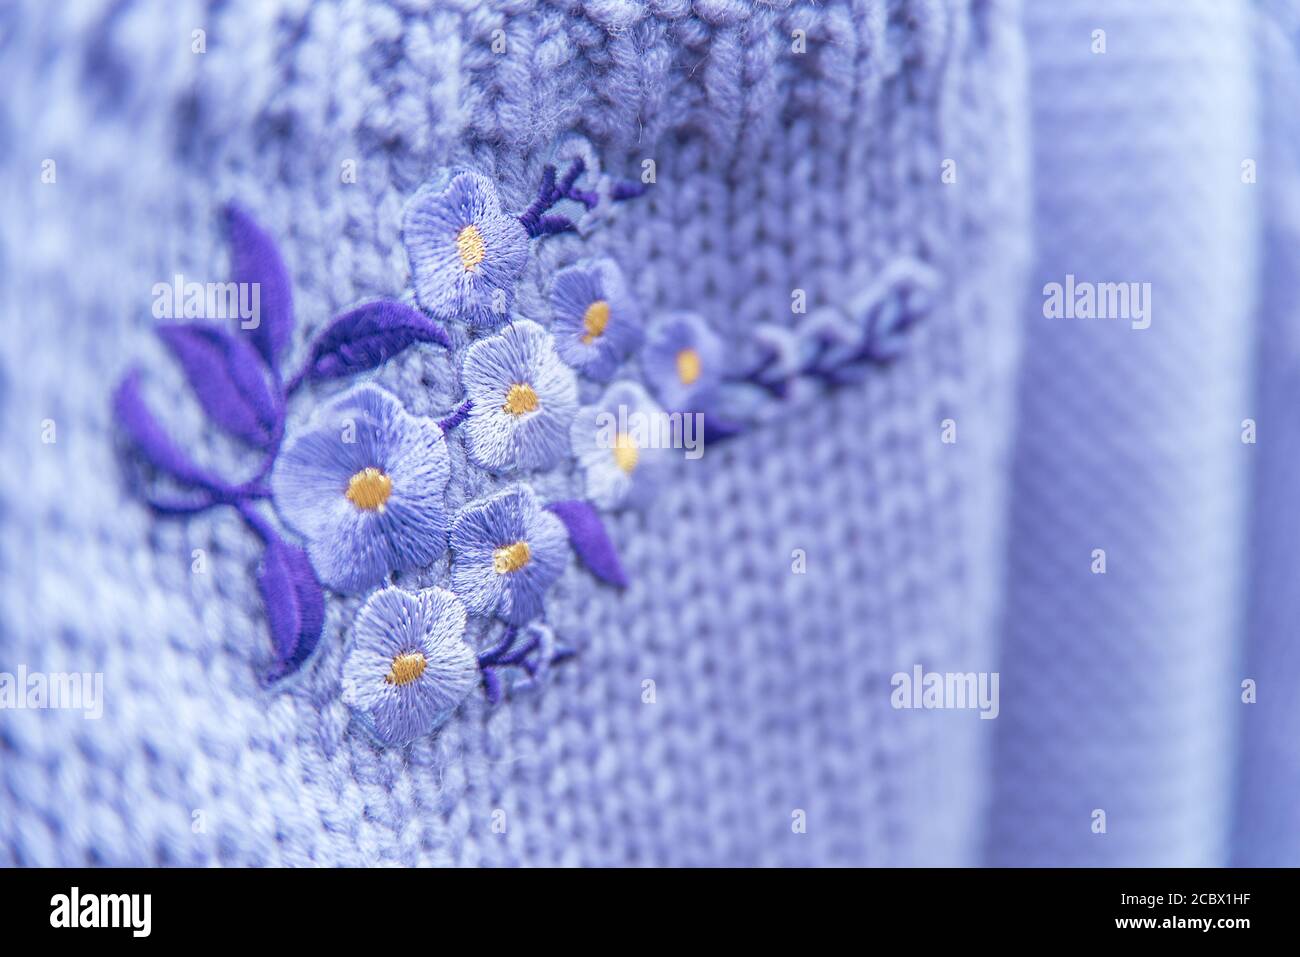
(229,379)
(295,605)
(369,336)
(148,438)
(590,540)
(719,428)
(254,258)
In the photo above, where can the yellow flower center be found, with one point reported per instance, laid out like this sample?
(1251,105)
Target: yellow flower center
(369,489)
(469,243)
(511,558)
(520,399)
(594,321)
(626,453)
(406,668)
(688,366)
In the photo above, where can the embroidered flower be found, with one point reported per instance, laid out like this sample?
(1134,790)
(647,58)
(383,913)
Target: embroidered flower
(506,552)
(621,443)
(523,399)
(682,362)
(364,486)
(407,665)
(597,323)
(466,253)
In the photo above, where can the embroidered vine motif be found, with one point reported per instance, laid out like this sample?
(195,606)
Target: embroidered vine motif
(239,385)
(361,487)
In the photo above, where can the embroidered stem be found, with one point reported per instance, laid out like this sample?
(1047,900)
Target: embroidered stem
(213,494)
(525,657)
(492,655)
(171,508)
(292,386)
(517,656)
(814,367)
(535,219)
(457,416)
(625,189)
(260,526)
(488,663)
(491,686)
(254,488)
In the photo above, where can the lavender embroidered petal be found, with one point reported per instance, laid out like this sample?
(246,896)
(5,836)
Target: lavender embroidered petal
(507,551)
(618,443)
(597,322)
(363,484)
(522,399)
(407,665)
(466,253)
(683,361)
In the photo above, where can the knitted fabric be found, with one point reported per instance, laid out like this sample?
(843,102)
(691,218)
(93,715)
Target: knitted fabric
(727,707)
(776,171)
(1121,691)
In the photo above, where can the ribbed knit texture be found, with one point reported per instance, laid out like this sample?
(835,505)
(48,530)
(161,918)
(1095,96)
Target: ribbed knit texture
(1121,691)
(1268,816)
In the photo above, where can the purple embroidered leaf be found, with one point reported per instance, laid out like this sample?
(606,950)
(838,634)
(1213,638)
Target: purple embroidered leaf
(295,605)
(719,428)
(590,541)
(149,439)
(228,377)
(254,259)
(369,336)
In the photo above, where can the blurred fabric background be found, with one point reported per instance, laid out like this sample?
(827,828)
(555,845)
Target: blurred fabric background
(1108,140)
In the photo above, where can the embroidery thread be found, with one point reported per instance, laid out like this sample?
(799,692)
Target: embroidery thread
(363,485)
(506,552)
(239,385)
(521,397)
(466,252)
(363,482)
(407,666)
(595,320)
